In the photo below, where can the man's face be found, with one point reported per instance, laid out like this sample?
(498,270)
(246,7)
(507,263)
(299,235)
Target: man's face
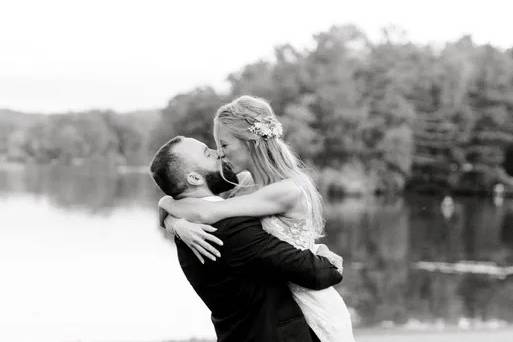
(206,161)
(197,155)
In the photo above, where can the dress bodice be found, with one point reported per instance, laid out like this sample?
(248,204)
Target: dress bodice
(299,232)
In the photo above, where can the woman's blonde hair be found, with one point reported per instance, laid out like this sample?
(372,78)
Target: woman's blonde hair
(271,158)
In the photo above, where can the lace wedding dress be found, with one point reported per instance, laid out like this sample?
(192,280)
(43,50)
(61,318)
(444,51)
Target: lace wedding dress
(324,310)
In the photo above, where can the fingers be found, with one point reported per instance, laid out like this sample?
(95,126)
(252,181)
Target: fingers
(337,261)
(213,239)
(196,253)
(208,228)
(204,252)
(209,248)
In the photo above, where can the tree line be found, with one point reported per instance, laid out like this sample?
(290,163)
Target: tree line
(75,138)
(370,116)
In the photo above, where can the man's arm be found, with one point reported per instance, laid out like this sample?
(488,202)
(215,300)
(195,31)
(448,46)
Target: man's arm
(250,250)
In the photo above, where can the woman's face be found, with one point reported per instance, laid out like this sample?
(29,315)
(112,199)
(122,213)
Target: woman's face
(233,149)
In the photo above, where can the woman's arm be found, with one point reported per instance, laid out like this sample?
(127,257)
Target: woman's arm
(335,259)
(276,198)
(194,235)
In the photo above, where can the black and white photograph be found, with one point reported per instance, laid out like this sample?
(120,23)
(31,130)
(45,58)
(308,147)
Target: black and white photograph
(256,171)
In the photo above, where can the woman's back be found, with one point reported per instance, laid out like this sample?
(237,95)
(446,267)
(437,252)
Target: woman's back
(295,228)
(294,231)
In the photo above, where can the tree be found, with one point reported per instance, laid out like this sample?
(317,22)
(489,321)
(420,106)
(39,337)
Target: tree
(190,114)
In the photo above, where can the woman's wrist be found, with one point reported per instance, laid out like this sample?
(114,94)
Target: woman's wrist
(170,223)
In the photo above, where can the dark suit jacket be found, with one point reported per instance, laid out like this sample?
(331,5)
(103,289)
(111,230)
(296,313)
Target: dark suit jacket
(246,289)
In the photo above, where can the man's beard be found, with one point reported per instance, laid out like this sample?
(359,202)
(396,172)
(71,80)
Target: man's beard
(217,184)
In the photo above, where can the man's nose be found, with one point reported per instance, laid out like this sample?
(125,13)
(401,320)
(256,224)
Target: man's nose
(220,155)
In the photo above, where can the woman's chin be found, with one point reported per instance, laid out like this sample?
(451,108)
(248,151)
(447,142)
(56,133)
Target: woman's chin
(236,169)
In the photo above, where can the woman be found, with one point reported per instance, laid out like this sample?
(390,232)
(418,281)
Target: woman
(248,135)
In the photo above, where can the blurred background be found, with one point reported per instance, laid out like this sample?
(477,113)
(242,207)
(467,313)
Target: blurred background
(404,110)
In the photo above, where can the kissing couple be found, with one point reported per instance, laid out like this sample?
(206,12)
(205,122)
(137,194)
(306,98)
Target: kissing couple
(266,279)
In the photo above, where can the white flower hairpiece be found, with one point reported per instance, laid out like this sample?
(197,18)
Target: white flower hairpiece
(267,128)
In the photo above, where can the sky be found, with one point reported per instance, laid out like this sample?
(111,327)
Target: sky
(69,55)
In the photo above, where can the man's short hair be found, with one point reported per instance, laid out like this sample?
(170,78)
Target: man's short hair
(168,169)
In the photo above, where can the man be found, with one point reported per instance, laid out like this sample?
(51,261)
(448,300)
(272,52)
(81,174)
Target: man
(246,289)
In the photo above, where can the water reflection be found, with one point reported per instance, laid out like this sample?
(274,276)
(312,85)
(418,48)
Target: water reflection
(381,240)
(71,275)
(91,188)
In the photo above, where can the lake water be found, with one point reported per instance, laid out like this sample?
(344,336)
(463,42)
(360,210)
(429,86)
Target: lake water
(82,259)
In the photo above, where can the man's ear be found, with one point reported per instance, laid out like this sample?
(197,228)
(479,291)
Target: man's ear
(194,178)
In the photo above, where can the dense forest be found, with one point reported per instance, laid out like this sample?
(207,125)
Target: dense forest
(371,116)
(76,138)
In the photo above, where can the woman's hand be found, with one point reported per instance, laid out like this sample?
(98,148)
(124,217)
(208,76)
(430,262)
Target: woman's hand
(335,259)
(195,236)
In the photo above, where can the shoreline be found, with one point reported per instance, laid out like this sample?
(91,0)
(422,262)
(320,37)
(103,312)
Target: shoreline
(119,168)
(453,334)
(329,188)
(502,334)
